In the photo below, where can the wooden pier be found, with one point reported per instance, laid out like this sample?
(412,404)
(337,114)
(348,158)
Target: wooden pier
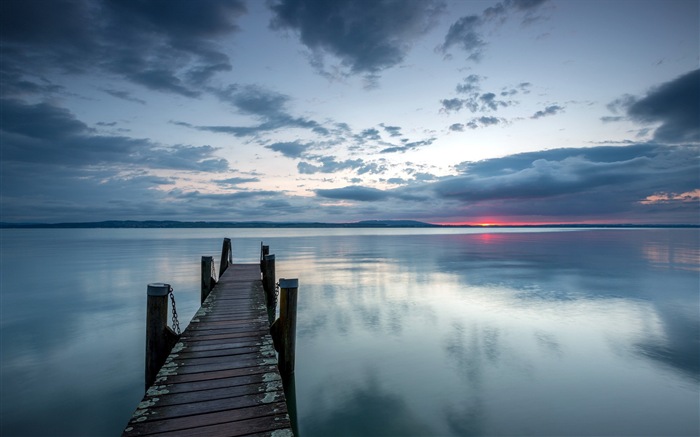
(221,377)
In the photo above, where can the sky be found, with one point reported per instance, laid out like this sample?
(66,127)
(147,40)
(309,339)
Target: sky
(460,112)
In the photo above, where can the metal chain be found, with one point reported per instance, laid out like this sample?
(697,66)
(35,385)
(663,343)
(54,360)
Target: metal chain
(176,322)
(277,292)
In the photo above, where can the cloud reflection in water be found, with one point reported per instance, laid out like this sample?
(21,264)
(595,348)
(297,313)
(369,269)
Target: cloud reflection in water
(562,332)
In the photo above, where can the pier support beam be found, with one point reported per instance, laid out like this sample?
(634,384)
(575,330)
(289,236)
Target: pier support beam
(287,328)
(160,339)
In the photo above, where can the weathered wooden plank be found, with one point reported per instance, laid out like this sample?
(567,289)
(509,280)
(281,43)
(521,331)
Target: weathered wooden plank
(266,424)
(227,416)
(205,376)
(217,393)
(182,387)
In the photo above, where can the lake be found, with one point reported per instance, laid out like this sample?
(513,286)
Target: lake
(561,332)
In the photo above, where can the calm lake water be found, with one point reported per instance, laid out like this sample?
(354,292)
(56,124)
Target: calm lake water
(400,332)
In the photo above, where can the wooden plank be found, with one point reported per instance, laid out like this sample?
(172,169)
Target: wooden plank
(219,417)
(222,377)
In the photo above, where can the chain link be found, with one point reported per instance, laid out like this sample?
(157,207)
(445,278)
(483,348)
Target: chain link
(176,322)
(277,292)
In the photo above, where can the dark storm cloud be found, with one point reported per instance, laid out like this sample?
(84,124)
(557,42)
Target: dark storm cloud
(676,105)
(43,133)
(549,110)
(367,36)
(164,45)
(355,192)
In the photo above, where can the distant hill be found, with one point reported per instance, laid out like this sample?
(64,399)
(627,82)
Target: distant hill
(202,224)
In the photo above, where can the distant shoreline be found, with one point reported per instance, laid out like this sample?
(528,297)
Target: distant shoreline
(155,224)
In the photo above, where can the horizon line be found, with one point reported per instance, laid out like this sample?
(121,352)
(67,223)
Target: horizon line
(390,223)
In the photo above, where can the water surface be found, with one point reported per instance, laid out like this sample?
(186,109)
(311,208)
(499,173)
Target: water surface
(400,332)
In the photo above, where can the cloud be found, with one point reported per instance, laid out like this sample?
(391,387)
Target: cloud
(484,102)
(688,196)
(268,106)
(235,181)
(124,95)
(674,104)
(408,146)
(466,33)
(292,149)
(573,184)
(484,121)
(44,133)
(393,131)
(354,192)
(549,110)
(367,36)
(500,10)
(255,100)
(164,45)
(471,84)
(489,101)
(329,164)
(368,135)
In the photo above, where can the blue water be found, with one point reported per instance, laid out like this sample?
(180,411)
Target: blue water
(400,332)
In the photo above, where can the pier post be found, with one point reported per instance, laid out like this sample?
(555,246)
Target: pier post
(208,274)
(226,256)
(264,250)
(288,324)
(268,265)
(160,339)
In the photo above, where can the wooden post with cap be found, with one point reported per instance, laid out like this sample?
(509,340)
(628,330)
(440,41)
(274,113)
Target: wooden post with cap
(160,339)
(226,256)
(208,274)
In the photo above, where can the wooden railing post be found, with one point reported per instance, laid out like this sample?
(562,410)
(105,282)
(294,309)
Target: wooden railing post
(160,339)
(269,285)
(208,275)
(288,324)
(226,256)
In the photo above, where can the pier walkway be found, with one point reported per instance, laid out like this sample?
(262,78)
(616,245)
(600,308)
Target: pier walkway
(221,378)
